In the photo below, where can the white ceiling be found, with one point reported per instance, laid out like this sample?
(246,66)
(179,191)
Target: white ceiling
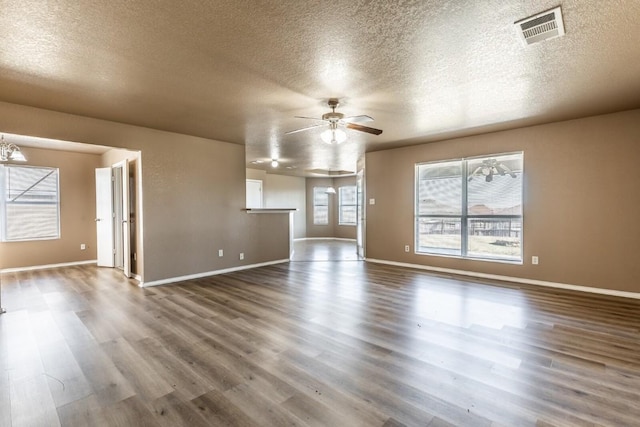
(239,70)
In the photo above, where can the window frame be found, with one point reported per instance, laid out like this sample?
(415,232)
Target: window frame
(4,203)
(321,191)
(354,204)
(464,217)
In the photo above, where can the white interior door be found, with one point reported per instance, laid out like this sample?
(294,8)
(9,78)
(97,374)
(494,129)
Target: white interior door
(254,193)
(104,217)
(126,233)
(360,215)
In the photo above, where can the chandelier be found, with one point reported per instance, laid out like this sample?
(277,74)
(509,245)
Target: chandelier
(9,151)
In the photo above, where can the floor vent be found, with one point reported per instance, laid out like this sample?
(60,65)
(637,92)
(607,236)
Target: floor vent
(540,27)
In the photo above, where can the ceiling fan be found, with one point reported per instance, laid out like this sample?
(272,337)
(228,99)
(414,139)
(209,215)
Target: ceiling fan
(335,135)
(489,168)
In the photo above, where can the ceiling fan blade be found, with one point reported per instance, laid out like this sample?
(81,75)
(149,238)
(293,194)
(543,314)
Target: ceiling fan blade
(364,128)
(357,119)
(309,118)
(303,129)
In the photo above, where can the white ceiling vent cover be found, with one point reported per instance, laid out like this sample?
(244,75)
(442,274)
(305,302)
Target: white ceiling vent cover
(540,27)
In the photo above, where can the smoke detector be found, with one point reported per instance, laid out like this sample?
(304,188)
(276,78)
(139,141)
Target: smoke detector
(543,26)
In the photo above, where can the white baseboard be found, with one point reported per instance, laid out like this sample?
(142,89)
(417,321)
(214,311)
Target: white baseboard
(209,273)
(324,238)
(601,291)
(43,267)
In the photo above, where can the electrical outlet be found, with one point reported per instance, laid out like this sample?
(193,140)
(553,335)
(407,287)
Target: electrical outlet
(83,246)
(407,248)
(241,255)
(220,253)
(534,260)
(372,201)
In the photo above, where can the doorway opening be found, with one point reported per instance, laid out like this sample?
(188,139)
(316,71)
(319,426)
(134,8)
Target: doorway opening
(117,207)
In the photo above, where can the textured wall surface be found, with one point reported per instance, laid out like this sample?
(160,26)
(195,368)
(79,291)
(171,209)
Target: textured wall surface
(581,200)
(77,213)
(288,192)
(193,197)
(333,229)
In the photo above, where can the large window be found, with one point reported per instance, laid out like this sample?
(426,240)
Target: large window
(347,205)
(471,208)
(320,206)
(29,203)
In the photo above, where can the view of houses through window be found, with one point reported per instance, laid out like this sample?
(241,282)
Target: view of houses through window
(471,207)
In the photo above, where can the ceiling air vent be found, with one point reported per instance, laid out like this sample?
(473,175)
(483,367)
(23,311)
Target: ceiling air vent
(540,27)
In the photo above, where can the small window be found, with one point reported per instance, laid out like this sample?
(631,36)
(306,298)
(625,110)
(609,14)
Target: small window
(320,206)
(347,208)
(30,203)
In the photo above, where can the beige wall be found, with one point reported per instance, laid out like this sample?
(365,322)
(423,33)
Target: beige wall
(320,230)
(333,229)
(257,174)
(193,198)
(77,213)
(110,158)
(282,191)
(581,200)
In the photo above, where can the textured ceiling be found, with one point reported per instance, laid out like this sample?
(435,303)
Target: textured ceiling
(238,71)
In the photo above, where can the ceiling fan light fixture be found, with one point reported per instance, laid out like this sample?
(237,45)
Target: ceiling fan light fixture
(274,163)
(330,190)
(333,136)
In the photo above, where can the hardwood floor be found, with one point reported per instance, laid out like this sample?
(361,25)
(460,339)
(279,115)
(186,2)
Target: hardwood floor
(319,344)
(324,250)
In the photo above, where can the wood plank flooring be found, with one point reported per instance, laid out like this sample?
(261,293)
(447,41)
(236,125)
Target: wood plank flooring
(324,250)
(313,344)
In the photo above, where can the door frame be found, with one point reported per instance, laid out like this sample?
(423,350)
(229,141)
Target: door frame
(104,217)
(119,239)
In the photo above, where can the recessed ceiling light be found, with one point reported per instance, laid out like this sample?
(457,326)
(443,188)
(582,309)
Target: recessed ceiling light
(257,162)
(290,167)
